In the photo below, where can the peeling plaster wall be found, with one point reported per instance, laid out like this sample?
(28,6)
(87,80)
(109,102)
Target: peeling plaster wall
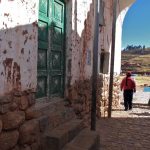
(106,34)
(79,41)
(106,30)
(18,44)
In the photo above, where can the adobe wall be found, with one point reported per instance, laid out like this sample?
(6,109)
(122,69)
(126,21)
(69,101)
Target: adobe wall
(19,125)
(22,123)
(80,57)
(18,45)
(79,40)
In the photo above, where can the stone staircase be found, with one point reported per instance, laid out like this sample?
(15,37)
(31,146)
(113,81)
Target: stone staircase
(85,140)
(71,136)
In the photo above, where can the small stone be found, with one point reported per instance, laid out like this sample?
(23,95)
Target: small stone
(17,100)
(4,108)
(13,106)
(5,99)
(12,120)
(23,105)
(29,132)
(8,139)
(32,114)
(43,123)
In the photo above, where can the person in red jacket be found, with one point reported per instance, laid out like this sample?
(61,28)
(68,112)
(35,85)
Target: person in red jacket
(128,86)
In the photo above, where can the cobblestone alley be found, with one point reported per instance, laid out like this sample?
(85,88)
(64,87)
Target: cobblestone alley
(127,130)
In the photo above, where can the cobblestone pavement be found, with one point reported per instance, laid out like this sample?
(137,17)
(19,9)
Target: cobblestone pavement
(127,130)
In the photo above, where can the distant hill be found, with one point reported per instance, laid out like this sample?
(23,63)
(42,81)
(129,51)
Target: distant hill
(141,50)
(135,59)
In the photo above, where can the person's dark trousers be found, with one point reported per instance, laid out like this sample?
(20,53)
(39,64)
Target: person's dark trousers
(128,96)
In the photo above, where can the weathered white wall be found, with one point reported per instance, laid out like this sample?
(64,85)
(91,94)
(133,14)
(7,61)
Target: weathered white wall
(106,35)
(80,15)
(18,41)
(18,44)
(118,42)
(106,30)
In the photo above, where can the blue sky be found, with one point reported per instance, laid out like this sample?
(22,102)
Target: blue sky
(136,26)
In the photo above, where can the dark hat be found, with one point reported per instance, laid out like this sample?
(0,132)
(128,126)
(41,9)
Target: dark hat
(128,73)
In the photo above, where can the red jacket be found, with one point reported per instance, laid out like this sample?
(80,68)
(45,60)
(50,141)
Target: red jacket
(128,84)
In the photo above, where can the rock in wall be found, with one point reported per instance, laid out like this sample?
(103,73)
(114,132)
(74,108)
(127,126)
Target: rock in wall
(103,94)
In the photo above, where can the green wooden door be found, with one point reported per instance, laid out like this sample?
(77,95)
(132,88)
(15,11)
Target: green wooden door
(50,49)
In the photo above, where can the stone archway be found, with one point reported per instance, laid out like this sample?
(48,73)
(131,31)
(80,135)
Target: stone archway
(122,9)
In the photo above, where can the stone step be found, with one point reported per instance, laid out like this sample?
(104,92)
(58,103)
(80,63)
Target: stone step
(57,138)
(50,114)
(85,140)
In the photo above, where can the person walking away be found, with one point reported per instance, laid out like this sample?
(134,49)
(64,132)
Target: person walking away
(128,86)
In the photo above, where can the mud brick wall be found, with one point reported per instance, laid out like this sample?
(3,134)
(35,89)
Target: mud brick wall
(18,128)
(103,94)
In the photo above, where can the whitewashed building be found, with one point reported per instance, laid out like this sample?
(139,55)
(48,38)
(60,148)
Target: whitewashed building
(46,60)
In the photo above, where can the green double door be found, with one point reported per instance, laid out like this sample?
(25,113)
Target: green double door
(50,75)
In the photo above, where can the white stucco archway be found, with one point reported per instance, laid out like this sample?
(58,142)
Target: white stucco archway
(122,9)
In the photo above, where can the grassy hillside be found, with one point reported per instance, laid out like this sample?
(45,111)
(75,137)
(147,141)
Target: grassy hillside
(135,62)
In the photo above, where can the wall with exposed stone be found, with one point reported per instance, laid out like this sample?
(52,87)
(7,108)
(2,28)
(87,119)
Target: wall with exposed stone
(103,94)
(17,130)
(80,50)
(23,124)
(18,71)
(80,96)
(79,40)
(79,47)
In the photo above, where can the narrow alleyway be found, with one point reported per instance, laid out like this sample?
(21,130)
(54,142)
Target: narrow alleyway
(127,130)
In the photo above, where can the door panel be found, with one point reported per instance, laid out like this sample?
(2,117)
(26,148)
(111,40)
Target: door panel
(42,86)
(43,50)
(57,35)
(50,48)
(43,30)
(58,11)
(56,82)
(56,61)
(57,48)
(44,7)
